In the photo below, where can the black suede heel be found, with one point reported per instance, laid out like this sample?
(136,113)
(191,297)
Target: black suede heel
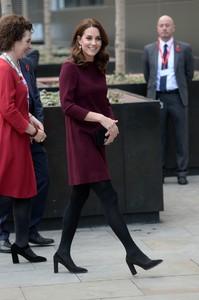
(16,250)
(71,268)
(146,265)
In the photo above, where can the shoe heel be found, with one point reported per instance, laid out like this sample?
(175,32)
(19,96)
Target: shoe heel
(132,268)
(16,250)
(55,266)
(67,264)
(15,258)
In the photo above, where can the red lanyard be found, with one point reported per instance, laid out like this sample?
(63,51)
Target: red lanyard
(17,69)
(164,61)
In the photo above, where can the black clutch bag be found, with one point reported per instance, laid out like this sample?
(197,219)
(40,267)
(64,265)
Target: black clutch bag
(100,136)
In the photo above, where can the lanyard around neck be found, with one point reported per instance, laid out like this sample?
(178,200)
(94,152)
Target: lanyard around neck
(9,59)
(17,69)
(164,60)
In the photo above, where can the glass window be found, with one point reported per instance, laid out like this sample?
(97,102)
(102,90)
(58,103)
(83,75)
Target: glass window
(82,2)
(60,4)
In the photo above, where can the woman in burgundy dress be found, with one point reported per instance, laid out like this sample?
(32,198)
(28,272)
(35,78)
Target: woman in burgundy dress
(83,94)
(17,127)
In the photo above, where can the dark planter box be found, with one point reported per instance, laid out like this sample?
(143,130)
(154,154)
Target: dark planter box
(48,70)
(134,162)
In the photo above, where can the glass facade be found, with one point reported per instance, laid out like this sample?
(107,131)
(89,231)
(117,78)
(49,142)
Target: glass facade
(61,4)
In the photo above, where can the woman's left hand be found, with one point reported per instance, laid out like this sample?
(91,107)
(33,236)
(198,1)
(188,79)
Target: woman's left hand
(112,132)
(106,122)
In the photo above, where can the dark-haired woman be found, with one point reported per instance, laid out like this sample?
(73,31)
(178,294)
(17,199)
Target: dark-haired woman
(83,94)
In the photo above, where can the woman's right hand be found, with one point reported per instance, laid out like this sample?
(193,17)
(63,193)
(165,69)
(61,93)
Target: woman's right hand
(35,122)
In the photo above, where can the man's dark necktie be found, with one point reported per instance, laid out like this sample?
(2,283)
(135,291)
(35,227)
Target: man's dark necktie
(163,79)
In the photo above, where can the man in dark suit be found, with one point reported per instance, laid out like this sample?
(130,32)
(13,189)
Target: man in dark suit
(33,55)
(41,170)
(168,68)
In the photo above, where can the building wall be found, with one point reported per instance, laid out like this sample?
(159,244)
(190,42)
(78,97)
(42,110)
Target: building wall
(141,19)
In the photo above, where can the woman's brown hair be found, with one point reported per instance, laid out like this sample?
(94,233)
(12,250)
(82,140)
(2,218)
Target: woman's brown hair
(77,56)
(12,29)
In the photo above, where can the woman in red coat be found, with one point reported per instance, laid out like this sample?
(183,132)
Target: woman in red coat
(17,127)
(83,94)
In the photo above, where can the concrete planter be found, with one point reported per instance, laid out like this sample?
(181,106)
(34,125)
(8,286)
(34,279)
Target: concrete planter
(48,70)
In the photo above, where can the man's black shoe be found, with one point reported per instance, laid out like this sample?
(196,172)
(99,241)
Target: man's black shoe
(37,239)
(5,246)
(182,180)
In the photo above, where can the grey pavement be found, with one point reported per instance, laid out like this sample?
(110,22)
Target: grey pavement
(175,239)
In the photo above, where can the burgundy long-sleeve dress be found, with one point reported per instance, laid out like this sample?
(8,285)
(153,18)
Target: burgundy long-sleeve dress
(17,177)
(84,89)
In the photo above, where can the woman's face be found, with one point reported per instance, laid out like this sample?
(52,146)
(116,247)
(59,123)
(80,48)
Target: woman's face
(91,42)
(21,47)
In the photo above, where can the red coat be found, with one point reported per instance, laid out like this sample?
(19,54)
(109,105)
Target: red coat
(17,177)
(83,90)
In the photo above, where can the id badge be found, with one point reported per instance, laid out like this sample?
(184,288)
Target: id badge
(164,72)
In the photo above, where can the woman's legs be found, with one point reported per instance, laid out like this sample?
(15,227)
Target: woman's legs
(108,197)
(134,255)
(21,215)
(72,213)
(71,218)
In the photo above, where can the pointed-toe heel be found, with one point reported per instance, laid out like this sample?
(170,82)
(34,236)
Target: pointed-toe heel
(67,264)
(152,264)
(145,263)
(16,250)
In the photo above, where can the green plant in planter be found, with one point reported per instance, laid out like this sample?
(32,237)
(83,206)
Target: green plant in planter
(114,96)
(115,79)
(58,55)
(52,98)
(49,98)
(196,75)
(124,78)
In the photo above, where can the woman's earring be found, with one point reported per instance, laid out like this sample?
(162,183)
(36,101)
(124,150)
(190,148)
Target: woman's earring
(80,46)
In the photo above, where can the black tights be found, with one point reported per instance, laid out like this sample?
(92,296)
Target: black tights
(105,191)
(21,215)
